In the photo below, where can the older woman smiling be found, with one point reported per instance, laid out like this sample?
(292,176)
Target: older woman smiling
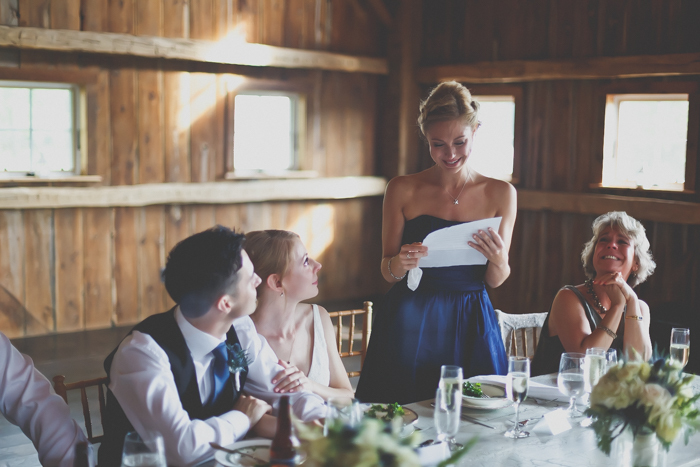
(604,311)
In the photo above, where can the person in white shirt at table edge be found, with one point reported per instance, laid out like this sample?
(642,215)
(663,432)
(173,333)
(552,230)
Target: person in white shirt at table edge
(173,374)
(27,400)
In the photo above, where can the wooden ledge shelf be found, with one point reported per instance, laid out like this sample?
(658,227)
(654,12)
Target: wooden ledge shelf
(658,210)
(221,52)
(513,71)
(253,191)
(50,181)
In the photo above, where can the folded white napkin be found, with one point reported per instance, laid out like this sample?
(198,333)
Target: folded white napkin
(535,388)
(414,276)
(433,454)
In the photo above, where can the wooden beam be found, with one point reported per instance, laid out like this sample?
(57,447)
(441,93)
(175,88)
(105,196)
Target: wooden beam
(192,193)
(658,210)
(382,12)
(229,52)
(511,71)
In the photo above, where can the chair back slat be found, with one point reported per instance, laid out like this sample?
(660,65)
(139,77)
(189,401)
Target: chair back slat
(519,327)
(62,389)
(366,314)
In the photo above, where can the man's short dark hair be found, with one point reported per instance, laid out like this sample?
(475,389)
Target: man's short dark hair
(202,268)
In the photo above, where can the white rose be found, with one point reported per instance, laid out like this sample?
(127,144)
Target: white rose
(654,394)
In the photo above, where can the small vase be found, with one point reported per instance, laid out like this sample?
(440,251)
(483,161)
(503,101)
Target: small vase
(645,450)
(642,450)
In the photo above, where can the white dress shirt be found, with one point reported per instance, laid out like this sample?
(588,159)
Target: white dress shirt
(28,400)
(264,365)
(143,383)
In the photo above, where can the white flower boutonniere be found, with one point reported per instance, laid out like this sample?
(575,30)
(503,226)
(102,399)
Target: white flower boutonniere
(238,362)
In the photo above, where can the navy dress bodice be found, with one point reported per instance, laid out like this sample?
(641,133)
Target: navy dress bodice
(447,320)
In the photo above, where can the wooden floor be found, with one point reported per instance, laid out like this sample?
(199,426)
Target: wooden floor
(78,356)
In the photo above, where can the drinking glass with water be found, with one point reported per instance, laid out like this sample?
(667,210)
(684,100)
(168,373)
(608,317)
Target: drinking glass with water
(451,379)
(448,412)
(146,451)
(595,366)
(571,381)
(680,346)
(517,383)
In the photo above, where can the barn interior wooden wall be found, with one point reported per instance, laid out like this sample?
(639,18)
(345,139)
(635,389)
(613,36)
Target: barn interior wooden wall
(152,121)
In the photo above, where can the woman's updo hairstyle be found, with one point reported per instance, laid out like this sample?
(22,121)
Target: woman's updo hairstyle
(270,251)
(448,101)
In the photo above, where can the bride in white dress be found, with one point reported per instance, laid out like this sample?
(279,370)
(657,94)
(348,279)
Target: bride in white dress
(301,335)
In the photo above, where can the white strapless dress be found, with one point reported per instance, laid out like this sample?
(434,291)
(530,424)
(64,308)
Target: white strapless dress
(319,371)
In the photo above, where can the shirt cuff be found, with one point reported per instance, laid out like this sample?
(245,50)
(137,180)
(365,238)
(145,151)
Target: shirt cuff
(239,422)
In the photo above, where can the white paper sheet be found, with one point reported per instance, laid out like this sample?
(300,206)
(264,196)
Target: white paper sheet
(449,247)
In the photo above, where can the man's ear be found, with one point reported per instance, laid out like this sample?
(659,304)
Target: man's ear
(224,303)
(274,282)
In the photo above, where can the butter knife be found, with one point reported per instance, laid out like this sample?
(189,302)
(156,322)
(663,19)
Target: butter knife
(235,451)
(478,422)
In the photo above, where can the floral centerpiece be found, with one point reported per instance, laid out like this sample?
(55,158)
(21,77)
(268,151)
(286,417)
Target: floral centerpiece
(653,400)
(372,443)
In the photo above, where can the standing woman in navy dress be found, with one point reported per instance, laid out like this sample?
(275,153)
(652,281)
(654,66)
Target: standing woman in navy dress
(449,318)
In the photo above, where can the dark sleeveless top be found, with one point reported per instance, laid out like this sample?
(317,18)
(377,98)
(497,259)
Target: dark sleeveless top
(164,330)
(550,348)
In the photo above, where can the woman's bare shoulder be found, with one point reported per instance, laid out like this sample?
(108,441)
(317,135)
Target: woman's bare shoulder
(498,188)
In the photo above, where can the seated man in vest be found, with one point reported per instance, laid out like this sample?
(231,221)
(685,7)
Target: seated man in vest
(172,373)
(27,400)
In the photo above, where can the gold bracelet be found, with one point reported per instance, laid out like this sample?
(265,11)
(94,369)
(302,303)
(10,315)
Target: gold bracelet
(634,317)
(388,266)
(608,330)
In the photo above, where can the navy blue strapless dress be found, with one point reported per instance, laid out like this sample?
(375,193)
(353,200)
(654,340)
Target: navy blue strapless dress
(447,320)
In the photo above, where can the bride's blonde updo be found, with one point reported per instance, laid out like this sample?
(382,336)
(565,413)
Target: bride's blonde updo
(448,101)
(270,251)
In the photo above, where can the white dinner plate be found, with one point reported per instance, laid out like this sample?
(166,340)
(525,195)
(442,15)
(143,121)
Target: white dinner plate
(409,416)
(497,398)
(258,448)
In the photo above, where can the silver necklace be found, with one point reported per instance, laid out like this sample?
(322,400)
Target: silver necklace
(456,200)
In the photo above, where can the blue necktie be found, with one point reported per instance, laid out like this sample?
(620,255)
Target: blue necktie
(221,373)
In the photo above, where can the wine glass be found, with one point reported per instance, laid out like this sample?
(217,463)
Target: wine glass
(680,346)
(448,410)
(344,410)
(571,379)
(451,377)
(595,365)
(611,358)
(143,451)
(516,390)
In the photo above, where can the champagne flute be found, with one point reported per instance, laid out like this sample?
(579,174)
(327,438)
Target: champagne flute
(611,357)
(570,380)
(680,346)
(516,390)
(451,379)
(448,410)
(146,451)
(595,366)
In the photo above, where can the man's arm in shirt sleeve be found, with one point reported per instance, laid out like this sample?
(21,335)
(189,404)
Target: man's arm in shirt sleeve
(28,400)
(142,382)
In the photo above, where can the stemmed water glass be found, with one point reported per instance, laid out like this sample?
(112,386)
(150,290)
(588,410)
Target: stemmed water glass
(680,346)
(451,378)
(448,411)
(517,384)
(143,451)
(595,366)
(571,379)
(344,410)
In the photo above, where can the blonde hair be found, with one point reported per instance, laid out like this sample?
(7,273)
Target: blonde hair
(270,251)
(632,228)
(448,101)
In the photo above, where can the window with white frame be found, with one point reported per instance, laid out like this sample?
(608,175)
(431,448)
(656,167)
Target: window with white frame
(39,127)
(493,150)
(266,131)
(645,141)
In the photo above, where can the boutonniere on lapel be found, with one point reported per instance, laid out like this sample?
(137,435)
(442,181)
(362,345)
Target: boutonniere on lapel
(238,362)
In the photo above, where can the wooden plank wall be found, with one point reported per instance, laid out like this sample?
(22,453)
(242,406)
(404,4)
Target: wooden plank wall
(562,148)
(151,121)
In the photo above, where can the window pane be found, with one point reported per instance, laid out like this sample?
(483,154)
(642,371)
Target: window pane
(52,151)
(52,109)
(14,151)
(14,108)
(652,141)
(263,133)
(492,153)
